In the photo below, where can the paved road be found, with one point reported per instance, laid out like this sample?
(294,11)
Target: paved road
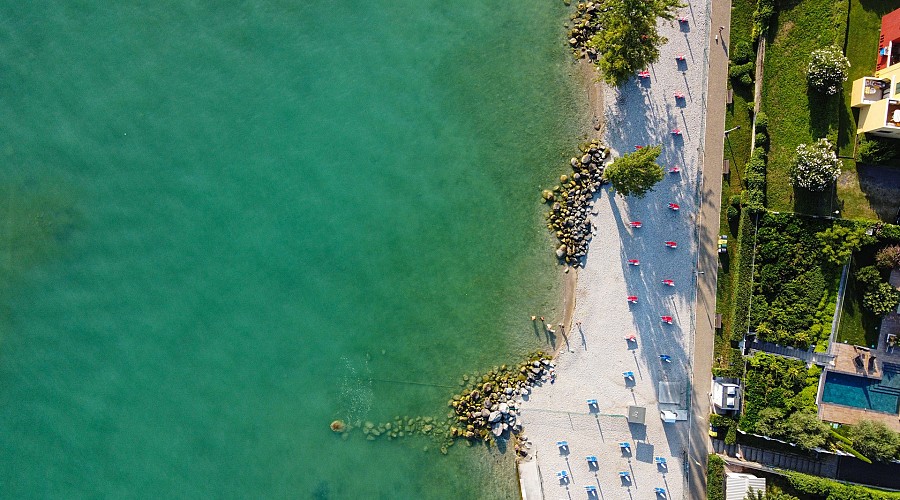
(711,187)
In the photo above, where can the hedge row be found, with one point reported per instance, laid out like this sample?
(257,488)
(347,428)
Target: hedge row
(833,490)
(743,278)
(715,478)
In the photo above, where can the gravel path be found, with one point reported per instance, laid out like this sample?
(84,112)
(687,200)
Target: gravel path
(591,365)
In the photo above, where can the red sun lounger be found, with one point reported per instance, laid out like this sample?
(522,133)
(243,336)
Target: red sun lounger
(675,170)
(674,206)
(666,319)
(668,282)
(671,244)
(634,262)
(635,224)
(632,299)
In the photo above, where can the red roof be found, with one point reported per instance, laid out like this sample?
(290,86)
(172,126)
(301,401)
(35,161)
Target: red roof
(890,31)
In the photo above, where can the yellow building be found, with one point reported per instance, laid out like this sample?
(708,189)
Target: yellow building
(878,97)
(878,100)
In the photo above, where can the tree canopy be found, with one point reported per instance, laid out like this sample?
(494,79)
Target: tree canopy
(874,440)
(635,173)
(839,242)
(628,40)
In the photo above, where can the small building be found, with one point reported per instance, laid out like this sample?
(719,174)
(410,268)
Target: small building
(726,395)
(739,485)
(878,96)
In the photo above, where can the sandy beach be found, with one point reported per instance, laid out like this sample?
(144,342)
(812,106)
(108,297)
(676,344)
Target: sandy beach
(594,353)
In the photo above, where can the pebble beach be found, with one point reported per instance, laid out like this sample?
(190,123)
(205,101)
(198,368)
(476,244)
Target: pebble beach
(594,353)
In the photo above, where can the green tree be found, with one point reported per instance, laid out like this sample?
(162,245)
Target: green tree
(874,440)
(628,40)
(635,173)
(805,429)
(839,242)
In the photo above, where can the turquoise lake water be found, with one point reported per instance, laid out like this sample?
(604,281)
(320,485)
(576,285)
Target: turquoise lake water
(224,225)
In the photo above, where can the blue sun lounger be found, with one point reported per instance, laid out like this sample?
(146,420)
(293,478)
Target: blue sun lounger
(660,491)
(665,358)
(591,460)
(625,445)
(628,375)
(592,403)
(660,461)
(590,488)
(625,475)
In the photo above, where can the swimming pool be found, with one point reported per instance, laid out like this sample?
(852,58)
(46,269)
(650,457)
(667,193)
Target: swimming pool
(877,395)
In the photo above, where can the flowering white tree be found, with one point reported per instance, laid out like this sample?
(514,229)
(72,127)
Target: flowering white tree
(827,70)
(816,166)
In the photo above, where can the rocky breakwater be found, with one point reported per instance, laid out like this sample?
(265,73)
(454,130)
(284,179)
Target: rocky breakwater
(585,23)
(572,200)
(483,412)
(488,408)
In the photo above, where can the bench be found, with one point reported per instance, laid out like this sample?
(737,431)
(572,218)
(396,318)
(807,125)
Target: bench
(718,321)
(729,96)
(726,167)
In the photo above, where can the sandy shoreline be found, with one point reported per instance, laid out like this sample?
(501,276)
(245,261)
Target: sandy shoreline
(587,74)
(595,355)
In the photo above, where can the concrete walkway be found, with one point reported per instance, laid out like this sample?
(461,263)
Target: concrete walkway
(710,206)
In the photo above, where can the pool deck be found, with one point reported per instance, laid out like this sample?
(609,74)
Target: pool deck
(849,415)
(853,360)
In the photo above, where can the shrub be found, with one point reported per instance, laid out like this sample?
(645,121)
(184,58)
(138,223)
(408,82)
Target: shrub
(761,17)
(815,166)
(761,139)
(735,200)
(751,105)
(881,299)
(733,213)
(888,257)
(877,151)
(827,70)
(742,53)
(762,121)
(753,198)
(878,296)
(742,72)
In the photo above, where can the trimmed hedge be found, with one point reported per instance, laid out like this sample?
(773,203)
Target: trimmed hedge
(833,490)
(743,276)
(715,478)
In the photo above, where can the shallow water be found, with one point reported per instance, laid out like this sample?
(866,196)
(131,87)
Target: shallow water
(225,226)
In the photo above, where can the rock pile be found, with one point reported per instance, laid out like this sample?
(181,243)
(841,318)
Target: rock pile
(488,409)
(585,24)
(571,202)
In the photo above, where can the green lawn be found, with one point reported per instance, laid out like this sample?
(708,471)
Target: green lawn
(800,28)
(737,150)
(858,325)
